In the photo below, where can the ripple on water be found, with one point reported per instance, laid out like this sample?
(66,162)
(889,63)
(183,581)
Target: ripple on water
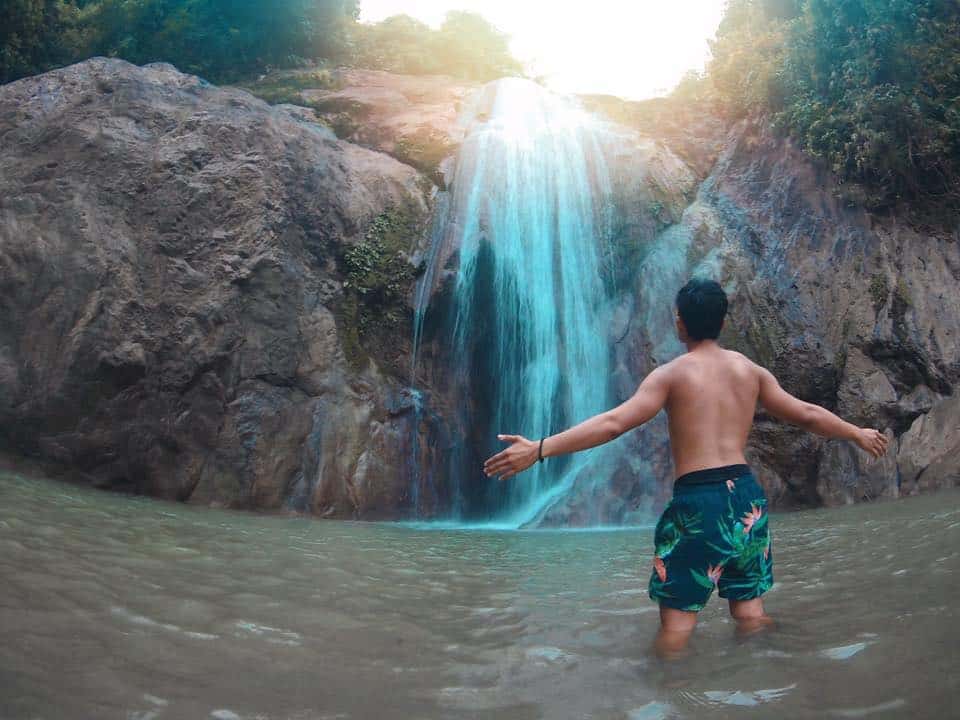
(860,712)
(145,621)
(277,636)
(652,711)
(546,655)
(224,714)
(747,698)
(844,652)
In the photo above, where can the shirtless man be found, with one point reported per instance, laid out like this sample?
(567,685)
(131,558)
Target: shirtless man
(714,532)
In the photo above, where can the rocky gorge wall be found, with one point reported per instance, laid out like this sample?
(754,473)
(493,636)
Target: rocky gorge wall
(853,311)
(207,298)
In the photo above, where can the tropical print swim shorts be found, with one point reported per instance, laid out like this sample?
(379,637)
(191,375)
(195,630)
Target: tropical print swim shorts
(710,535)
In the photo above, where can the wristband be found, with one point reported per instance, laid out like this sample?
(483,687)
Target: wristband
(540,451)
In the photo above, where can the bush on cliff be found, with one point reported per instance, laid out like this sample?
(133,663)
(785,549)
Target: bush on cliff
(219,39)
(872,87)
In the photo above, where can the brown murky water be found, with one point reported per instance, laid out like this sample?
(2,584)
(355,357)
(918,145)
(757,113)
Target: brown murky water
(119,607)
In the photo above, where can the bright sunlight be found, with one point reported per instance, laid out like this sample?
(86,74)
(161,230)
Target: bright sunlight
(634,50)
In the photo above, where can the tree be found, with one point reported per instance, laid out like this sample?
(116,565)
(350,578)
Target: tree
(32,37)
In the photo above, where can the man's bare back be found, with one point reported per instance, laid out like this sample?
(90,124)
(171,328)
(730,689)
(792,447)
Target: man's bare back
(711,398)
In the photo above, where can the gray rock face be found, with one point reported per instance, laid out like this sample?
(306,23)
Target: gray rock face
(928,456)
(851,311)
(171,288)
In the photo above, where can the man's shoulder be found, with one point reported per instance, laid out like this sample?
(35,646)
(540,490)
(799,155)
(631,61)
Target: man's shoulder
(739,357)
(670,366)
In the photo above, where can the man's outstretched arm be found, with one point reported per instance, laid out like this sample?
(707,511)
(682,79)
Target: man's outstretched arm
(646,402)
(813,418)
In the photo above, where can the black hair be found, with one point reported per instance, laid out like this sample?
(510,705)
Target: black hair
(702,305)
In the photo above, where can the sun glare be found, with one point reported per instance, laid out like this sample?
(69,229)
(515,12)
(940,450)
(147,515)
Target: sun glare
(634,49)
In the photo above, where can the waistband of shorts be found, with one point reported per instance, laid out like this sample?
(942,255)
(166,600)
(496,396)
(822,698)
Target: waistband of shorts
(711,476)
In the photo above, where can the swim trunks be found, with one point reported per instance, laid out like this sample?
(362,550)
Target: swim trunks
(713,533)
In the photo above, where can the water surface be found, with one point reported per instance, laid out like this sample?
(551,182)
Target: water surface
(121,607)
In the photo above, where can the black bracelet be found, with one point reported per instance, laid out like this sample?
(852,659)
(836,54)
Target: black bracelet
(540,452)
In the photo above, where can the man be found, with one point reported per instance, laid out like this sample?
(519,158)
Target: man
(714,532)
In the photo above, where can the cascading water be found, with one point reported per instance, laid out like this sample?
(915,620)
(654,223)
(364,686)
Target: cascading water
(529,213)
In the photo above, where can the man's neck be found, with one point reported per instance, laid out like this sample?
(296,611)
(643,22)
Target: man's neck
(702,345)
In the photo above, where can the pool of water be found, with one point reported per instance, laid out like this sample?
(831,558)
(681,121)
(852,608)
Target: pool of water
(124,607)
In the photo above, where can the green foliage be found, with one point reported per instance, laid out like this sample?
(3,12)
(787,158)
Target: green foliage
(465,46)
(232,40)
(879,290)
(35,35)
(285,87)
(748,53)
(374,266)
(901,295)
(424,149)
(221,40)
(871,87)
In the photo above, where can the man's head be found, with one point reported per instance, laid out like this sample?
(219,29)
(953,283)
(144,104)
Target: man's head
(701,308)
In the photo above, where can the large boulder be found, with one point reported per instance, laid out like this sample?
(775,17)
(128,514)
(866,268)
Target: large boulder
(176,316)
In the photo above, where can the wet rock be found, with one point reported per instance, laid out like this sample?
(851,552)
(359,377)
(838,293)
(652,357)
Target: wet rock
(929,454)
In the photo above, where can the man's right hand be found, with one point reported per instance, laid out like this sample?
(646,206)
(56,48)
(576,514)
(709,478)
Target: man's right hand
(873,441)
(521,454)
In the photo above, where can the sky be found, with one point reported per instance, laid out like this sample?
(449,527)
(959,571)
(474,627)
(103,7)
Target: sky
(634,49)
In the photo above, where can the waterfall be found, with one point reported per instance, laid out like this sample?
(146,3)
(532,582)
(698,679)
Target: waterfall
(529,213)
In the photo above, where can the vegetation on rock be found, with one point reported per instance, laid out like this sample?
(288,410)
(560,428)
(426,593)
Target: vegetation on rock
(879,290)
(285,86)
(424,149)
(378,279)
(871,87)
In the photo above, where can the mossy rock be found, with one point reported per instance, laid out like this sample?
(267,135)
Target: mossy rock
(374,314)
(286,87)
(879,290)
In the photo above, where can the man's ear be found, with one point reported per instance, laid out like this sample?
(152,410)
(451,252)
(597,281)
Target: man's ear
(681,327)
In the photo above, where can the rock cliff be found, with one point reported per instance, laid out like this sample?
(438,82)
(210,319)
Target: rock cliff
(207,298)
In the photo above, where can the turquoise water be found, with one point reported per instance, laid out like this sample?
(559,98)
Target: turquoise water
(124,607)
(530,209)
